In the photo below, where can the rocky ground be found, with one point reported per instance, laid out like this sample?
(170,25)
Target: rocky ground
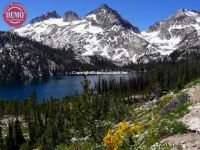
(194,93)
(192,119)
(4,121)
(190,140)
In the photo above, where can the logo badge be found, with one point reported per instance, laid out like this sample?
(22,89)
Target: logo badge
(14,14)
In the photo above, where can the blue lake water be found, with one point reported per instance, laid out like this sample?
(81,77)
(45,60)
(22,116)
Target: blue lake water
(51,87)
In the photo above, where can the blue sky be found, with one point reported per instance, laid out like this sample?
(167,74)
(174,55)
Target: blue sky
(141,13)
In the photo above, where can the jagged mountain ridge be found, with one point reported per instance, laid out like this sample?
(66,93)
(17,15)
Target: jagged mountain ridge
(70,16)
(45,16)
(173,32)
(106,17)
(102,32)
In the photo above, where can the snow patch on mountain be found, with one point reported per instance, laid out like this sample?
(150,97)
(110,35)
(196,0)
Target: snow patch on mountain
(165,46)
(87,27)
(92,16)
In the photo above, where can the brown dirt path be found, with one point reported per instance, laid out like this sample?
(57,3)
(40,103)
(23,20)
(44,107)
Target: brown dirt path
(188,141)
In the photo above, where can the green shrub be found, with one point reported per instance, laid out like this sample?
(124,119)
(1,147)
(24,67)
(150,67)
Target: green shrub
(178,127)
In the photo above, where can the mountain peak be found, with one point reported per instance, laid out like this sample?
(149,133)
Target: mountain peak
(186,13)
(107,17)
(181,17)
(105,6)
(182,10)
(70,16)
(45,16)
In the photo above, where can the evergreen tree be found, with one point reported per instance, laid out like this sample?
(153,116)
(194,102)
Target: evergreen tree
(32,99)
(32,135)
(18,136)
(44,144)
(85,85)
(10,141)
(1,139)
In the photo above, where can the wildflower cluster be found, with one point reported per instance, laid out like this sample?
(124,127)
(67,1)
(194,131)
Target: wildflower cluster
(173,103)
(115,138)
(158,146)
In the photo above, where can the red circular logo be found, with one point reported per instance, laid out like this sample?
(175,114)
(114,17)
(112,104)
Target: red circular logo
(14,14)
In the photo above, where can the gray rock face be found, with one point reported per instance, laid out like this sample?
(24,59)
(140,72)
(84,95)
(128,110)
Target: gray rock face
(191,40)
(107,17)
(70,16)
(45,16)
(183,32)
(165,34)
(190,45)
(180,19)
(176,36)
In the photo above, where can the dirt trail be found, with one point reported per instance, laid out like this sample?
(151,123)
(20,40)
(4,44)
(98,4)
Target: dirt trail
(191,140)
(194,93)
(188,141)
(192,119)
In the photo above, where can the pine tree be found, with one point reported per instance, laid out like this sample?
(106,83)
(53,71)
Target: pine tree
(1,139)
(33,99)
(18,136)
(44,144)
(86,85)
(10,141)
(31,133)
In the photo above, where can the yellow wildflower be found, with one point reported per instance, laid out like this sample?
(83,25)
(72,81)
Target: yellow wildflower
(115,138)
(135,128)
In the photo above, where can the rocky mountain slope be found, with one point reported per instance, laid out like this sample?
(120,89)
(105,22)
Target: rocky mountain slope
(102,32)
(177,32)
(22,58)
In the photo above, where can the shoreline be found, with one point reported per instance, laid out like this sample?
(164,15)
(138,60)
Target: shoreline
(99,73)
